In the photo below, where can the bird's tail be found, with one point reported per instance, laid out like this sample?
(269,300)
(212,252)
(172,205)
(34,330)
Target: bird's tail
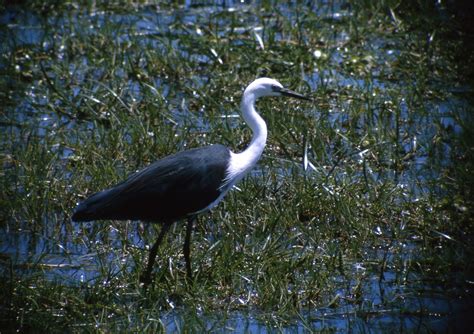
(93,208)
(82,214)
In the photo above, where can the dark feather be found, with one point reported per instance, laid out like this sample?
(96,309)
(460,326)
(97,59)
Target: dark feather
(167,190)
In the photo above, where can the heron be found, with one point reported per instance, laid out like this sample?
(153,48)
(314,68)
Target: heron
(186,184)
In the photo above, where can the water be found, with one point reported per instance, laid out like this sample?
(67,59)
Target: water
(412,306)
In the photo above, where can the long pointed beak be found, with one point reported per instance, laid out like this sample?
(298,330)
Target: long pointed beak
(290,93)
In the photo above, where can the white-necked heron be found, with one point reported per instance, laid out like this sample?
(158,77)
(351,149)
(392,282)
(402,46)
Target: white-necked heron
(187,183)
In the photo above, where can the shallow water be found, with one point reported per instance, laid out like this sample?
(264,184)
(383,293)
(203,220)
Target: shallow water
(61,255)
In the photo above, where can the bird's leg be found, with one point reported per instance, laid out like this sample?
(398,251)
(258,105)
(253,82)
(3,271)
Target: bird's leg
(146,276)
(186,248)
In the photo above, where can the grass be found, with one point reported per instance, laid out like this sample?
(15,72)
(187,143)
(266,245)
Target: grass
(381,220)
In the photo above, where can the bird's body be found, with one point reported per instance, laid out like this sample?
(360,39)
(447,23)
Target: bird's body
(167,190)
(187,183)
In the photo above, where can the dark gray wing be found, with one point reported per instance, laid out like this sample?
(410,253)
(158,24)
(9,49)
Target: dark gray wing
(166,190)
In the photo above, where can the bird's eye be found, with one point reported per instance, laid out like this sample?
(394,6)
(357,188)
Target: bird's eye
(275,88)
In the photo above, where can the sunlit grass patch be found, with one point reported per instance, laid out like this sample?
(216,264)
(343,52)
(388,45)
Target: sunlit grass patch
(360,207)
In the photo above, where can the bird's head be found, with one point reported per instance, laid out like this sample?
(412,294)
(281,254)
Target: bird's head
(270,87)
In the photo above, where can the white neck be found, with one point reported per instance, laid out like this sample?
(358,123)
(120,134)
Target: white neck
(258,126)
(241,163)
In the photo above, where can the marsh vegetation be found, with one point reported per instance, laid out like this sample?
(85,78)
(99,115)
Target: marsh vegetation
(358,216)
